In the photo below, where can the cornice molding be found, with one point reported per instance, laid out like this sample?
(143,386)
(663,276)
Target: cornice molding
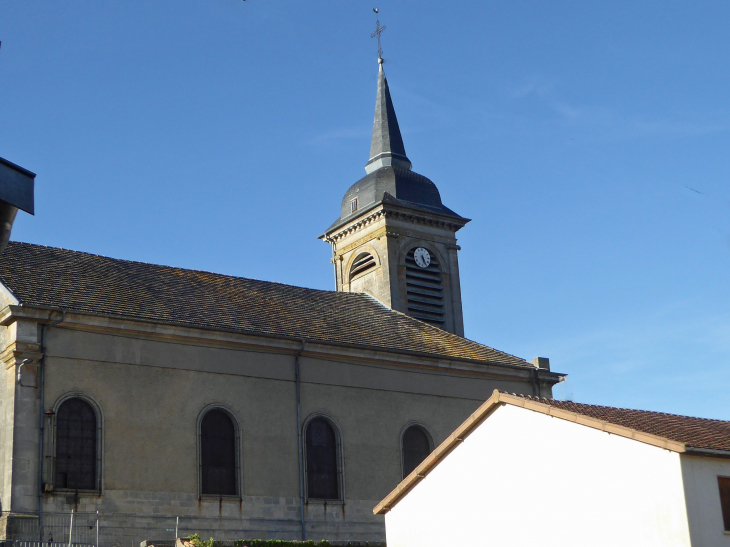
(109,325)
(17,352)
(389,212)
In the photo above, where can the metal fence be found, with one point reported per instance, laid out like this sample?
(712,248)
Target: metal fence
(59,529)
(79,529)
(21,543)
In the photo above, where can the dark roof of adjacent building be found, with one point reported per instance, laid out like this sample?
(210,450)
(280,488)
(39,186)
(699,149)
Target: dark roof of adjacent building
(86,283)
(17,186)
(682,434)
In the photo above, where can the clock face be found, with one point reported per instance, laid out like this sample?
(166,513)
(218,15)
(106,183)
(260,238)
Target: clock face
(422,257)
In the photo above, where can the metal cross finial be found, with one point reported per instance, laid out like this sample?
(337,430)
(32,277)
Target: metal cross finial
(378,31)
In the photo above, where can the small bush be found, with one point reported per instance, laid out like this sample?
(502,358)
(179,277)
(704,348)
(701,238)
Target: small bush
(278,543)
(197,542)
(195,539)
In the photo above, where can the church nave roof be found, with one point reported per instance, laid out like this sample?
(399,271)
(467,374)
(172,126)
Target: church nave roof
(86,283)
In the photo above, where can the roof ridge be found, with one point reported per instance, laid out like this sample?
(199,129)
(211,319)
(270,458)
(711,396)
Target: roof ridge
(652,412)
(175,267)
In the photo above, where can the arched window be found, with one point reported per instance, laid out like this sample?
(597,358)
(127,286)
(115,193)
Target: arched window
(416,446)
(322,469)
(363,263)
(76,446)
(218,454)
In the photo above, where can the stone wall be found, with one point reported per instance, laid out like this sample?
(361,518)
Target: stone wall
(127,518)
(150,385)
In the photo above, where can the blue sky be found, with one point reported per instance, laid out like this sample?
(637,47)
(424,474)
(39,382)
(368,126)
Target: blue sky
(588,141)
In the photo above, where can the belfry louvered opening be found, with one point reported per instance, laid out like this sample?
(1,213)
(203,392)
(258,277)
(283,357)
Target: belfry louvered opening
(363,264)
(425,290)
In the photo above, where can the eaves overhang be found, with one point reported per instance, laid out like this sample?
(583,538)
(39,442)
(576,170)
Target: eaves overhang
(706,452)
(45,314)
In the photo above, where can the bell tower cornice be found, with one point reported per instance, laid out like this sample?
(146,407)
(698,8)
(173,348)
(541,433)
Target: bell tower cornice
(385,211)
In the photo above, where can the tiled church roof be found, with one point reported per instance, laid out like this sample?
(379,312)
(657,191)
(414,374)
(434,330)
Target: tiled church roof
(87,283)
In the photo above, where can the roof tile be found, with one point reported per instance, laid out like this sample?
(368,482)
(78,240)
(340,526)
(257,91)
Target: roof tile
(700,433)
(87,283)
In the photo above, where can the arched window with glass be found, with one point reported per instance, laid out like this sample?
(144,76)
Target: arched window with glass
(324,479)
(218,454)
(76,457)
(416,446)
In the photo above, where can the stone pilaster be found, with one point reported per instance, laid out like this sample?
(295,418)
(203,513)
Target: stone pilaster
(455,284)
(20,416)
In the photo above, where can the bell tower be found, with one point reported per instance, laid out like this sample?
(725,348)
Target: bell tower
(394,238)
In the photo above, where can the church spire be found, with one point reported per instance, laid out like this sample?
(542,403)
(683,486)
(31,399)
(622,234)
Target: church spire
(386,146)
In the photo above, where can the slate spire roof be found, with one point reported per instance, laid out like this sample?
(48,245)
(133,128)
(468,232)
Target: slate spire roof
(49,277)
(390,178)
(386,145)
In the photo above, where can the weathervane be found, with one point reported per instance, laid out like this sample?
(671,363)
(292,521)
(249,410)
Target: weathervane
(378,31)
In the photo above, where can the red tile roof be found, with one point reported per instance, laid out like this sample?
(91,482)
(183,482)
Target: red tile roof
(683,434)
(692,432)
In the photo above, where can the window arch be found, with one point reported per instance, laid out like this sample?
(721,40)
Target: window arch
(77,442)
(416,446)
(324,477)
(218,454)
(363,263)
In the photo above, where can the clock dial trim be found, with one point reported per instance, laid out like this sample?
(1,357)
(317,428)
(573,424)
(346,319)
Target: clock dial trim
(422,257)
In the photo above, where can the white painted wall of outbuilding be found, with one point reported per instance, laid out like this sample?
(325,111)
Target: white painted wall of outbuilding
(525,478)
(702,495)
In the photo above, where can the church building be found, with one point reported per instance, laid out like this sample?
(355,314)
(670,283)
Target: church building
(155,401)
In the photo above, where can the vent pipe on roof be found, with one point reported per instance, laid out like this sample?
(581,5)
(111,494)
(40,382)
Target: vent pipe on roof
(16,192)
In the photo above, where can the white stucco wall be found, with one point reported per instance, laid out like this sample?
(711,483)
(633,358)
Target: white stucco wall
(703,500)
(524,478)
